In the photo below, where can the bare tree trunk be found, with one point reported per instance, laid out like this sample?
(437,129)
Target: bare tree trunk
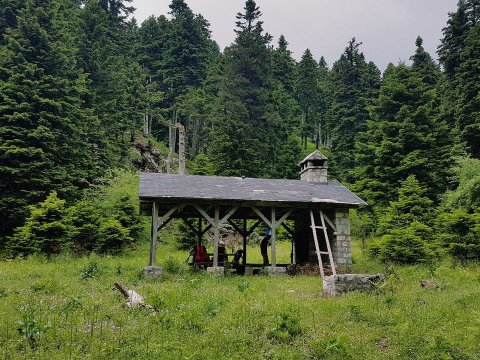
(181,148)
(171,141)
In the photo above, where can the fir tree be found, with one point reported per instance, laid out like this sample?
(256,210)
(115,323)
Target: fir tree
(307,93)
(46,229)
(405,136)
(45,131)
(354,84)
(283,65)
(458,54)
(240,145)
(188,51)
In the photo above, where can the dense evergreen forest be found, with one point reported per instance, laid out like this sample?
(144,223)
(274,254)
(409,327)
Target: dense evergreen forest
(82,84)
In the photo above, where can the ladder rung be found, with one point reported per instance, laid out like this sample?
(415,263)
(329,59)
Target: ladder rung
(324,252)
(317,227)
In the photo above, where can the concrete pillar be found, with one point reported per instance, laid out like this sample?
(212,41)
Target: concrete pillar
(341,246)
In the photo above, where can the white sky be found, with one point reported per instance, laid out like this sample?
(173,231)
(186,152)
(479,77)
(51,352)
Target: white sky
(387,28)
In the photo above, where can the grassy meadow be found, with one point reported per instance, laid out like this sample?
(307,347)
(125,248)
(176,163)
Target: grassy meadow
(66,308)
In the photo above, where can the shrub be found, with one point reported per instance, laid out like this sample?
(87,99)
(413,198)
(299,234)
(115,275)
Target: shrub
(127,214)
(412,205)
(90,271)
(29,327)
(403,246)
(467,194)
(287,327)
(113,237)
(84,217)
(173,266)
(459,233)
(46,230)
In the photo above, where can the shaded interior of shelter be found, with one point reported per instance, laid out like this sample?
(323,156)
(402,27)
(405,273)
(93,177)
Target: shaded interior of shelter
(245,221)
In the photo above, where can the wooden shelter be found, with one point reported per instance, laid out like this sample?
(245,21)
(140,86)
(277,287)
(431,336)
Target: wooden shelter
(215,201)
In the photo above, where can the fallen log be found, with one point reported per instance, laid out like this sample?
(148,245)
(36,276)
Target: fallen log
(134,299)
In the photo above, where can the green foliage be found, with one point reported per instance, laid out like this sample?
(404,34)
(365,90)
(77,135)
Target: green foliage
(46,229)
(412,205)
(84,218)
(459,53)
(44,134)
(459,232)
(287,326)
(113,237)
(90,271)
(404,225)
(404,136)
(201,165)
(29,327)
(186,237)
(467,194)
(127,215)
(354,85)
(405,246)
(330,348)
(174,267)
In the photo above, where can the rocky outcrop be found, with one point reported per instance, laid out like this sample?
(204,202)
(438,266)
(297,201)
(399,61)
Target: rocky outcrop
(151,159)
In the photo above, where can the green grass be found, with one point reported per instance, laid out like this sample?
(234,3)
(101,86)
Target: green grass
(66,308)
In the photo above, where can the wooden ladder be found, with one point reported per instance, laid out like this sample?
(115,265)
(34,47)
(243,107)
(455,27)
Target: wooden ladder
(317,246)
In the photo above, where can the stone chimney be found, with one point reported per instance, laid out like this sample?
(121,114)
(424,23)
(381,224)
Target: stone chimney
(314,168)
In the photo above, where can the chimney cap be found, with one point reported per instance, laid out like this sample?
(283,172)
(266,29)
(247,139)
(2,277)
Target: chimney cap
(316,155)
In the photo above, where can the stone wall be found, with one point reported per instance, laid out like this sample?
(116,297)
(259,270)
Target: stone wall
(314,175)
(342,253)
(340,284)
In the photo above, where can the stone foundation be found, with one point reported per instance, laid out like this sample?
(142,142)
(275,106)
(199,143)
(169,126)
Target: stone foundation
(152,271)
(216,270)
(340,284)
(275,270)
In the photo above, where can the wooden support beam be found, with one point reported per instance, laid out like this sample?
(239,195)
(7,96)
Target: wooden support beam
(237,229)
(283,218)
(200,231)
(165,223)
(273,238)
(329,222)
(190,225)
(216,226)
(252,229)
(263,217)
(204,214)
(244,236)
(153,244)
(206,229)
(166,217)
(229,214)
(289,230)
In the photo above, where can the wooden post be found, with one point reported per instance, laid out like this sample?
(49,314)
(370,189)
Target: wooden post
(153,245)
(200,231)
(244,235)
(274,230)
(216,235)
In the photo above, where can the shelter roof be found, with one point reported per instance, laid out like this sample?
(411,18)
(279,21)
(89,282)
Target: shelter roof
(170,188)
